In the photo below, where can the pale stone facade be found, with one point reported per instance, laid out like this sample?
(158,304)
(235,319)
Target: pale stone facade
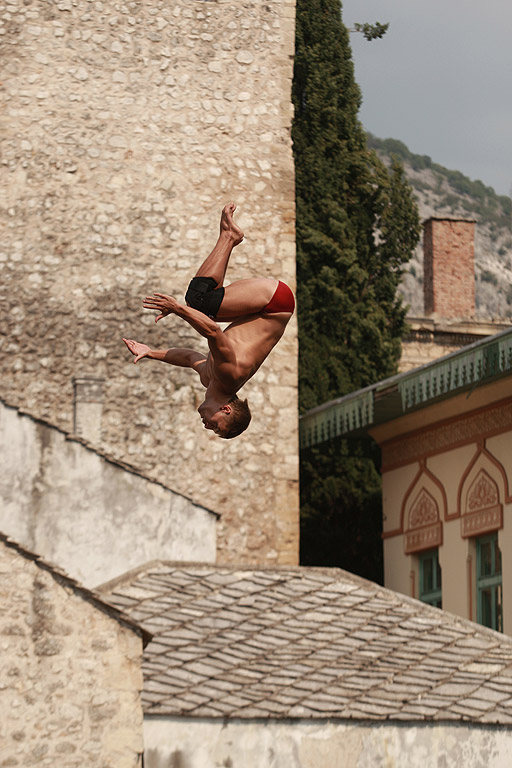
(70,672)
(92,516)
(125,129)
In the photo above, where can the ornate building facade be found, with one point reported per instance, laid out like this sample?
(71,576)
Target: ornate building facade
(447,504)
(445,433)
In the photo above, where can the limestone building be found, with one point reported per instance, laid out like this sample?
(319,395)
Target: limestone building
(70,670)
(125,129)
(93,516)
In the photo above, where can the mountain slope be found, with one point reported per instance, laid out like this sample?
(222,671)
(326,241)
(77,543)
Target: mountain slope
(442,192)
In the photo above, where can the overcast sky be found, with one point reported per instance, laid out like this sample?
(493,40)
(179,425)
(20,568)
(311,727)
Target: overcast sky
(440,80)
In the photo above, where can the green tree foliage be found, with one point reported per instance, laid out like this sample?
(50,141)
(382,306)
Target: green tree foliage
(372,31)
(357,225)
(341,508)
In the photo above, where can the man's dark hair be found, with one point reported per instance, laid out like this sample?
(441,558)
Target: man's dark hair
(240,418)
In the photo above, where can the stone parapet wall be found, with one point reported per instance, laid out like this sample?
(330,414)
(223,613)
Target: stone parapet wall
(417,352)
(70,674)
(428,339)
(126,127)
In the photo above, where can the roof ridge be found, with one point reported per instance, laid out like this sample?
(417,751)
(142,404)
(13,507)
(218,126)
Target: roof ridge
(419,607)
(88,594)
(69,436)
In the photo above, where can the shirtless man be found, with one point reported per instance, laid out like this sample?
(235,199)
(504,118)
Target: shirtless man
(259,310)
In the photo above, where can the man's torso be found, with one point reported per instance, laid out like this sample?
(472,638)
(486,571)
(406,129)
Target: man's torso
(253,338)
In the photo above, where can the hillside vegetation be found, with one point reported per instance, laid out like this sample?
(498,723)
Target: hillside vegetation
(443,192)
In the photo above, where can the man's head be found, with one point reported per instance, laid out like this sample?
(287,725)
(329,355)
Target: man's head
(230,420)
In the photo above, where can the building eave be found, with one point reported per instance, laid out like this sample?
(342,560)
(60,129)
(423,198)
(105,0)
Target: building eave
(482,362)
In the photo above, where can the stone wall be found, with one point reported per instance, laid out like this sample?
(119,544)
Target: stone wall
(126,127)
(70,674)
(94,517)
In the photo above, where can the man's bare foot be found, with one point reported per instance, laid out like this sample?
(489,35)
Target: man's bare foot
(228,225)
(137,349)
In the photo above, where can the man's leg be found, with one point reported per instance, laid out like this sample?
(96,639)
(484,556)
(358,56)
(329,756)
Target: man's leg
(243,297)
(216,263)
(246,297)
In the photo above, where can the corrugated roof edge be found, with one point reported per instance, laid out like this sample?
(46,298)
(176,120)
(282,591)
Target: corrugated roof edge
(399,382)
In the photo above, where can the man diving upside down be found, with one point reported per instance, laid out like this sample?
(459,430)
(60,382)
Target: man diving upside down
(258,309)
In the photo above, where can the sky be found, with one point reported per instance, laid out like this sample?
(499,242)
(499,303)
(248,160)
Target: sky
(440,80)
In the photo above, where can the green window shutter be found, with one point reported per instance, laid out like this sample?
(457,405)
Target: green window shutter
(430,578)
(489,582)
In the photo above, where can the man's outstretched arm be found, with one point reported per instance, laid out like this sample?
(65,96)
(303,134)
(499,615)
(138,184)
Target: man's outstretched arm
(220,346)
(167,305)
(185,358)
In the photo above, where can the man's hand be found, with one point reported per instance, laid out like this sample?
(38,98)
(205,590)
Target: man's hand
(166,305)
(137,349)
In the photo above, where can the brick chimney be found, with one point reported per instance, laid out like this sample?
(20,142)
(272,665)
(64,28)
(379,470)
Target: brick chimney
(88,405)
(449,267)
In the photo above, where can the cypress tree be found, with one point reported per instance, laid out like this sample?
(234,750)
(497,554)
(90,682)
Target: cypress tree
(357,225)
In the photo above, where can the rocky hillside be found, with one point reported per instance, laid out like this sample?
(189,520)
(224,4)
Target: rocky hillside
(441,192)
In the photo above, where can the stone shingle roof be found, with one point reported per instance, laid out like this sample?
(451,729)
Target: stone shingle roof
(308,643)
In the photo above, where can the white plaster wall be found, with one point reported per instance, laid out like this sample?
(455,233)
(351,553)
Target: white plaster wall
(397,566)
(500,446)
(453,555)
(395,484)
(449,467)
(305,744)
(505,545)
(93,518)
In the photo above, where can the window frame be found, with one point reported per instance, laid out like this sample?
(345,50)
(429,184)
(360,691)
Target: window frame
(432,596)
(491,581)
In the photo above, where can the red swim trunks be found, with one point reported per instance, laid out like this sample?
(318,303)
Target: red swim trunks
(283,300)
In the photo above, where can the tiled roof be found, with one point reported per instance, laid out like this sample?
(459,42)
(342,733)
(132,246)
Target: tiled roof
(308,643)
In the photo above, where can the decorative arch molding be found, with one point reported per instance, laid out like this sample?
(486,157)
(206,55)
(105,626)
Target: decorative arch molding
(482,490)
(423,508)
(424,529)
